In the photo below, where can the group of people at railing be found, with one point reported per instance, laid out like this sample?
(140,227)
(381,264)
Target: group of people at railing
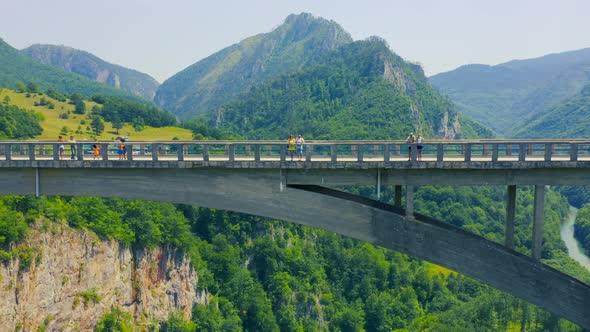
(295,146)
(62,148)
(417,141)
(95,148)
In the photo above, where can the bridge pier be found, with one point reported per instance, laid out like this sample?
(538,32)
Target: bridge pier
(538,216)
(398,195)
(410,201)
(510,213)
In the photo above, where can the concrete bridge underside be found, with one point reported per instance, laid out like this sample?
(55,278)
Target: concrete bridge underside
(271,193)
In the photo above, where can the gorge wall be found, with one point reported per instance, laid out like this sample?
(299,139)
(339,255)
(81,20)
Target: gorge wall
(76,278)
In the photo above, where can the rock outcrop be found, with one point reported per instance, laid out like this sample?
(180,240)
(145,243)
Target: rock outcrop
(89,65)
(76,278)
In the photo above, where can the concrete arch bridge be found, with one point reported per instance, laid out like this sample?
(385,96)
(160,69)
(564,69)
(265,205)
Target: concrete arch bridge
(259,178)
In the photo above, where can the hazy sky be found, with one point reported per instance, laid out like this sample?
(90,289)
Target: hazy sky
(162,37)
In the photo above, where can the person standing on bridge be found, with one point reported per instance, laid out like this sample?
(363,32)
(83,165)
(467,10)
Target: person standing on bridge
(121,150)
(96,149)
(61,147)
(72,142)
(419,141)
(410,140)
(291,146)
(299,142)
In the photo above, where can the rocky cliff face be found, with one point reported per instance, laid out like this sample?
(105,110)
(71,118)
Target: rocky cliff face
(76,278)
(88,65)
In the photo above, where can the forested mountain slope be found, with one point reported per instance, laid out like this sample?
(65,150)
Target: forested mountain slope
(362,90)
(221,77)
(570,119)
(17,67)
(90,66)
(506,96)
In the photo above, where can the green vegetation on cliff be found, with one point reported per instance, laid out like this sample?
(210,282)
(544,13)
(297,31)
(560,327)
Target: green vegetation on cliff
(582,227)
(360,91)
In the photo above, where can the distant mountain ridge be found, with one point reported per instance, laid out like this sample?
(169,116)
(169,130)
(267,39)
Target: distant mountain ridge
(89,65)
(507,96)
(221,77)
(15,67)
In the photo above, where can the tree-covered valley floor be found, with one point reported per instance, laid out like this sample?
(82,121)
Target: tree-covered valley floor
(268,275)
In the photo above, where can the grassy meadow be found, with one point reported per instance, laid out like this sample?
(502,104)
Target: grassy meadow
(53,124)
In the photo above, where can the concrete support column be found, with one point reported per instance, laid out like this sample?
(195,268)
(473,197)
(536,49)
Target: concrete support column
(7,151)
(440,152)
(538,216)
(155,148)
(495,152)
(231,151)
(333,155)
(398,195)
(55,152)
(574,152)
(521,152)
(549,149)
(413,152)
(410,201)
(128,147)
(378,184)
(32,151)
(467,151)
(104,151)
(283,153)
(510,213)
(360,152)
(180,150)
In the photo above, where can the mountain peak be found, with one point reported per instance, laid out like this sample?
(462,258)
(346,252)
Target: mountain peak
(307,19)
(221,77)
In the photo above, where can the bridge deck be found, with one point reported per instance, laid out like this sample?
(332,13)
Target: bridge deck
(369,159)
(316,151)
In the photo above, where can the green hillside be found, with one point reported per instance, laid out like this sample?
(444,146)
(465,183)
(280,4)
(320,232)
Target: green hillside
(204,86)
(360,91)
(90,66)
(507,96)
(62,116)
(17,67)
(568,120)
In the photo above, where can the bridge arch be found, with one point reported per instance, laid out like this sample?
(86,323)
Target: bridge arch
(268,193)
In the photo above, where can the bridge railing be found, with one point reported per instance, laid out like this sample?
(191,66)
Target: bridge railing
(326,151)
